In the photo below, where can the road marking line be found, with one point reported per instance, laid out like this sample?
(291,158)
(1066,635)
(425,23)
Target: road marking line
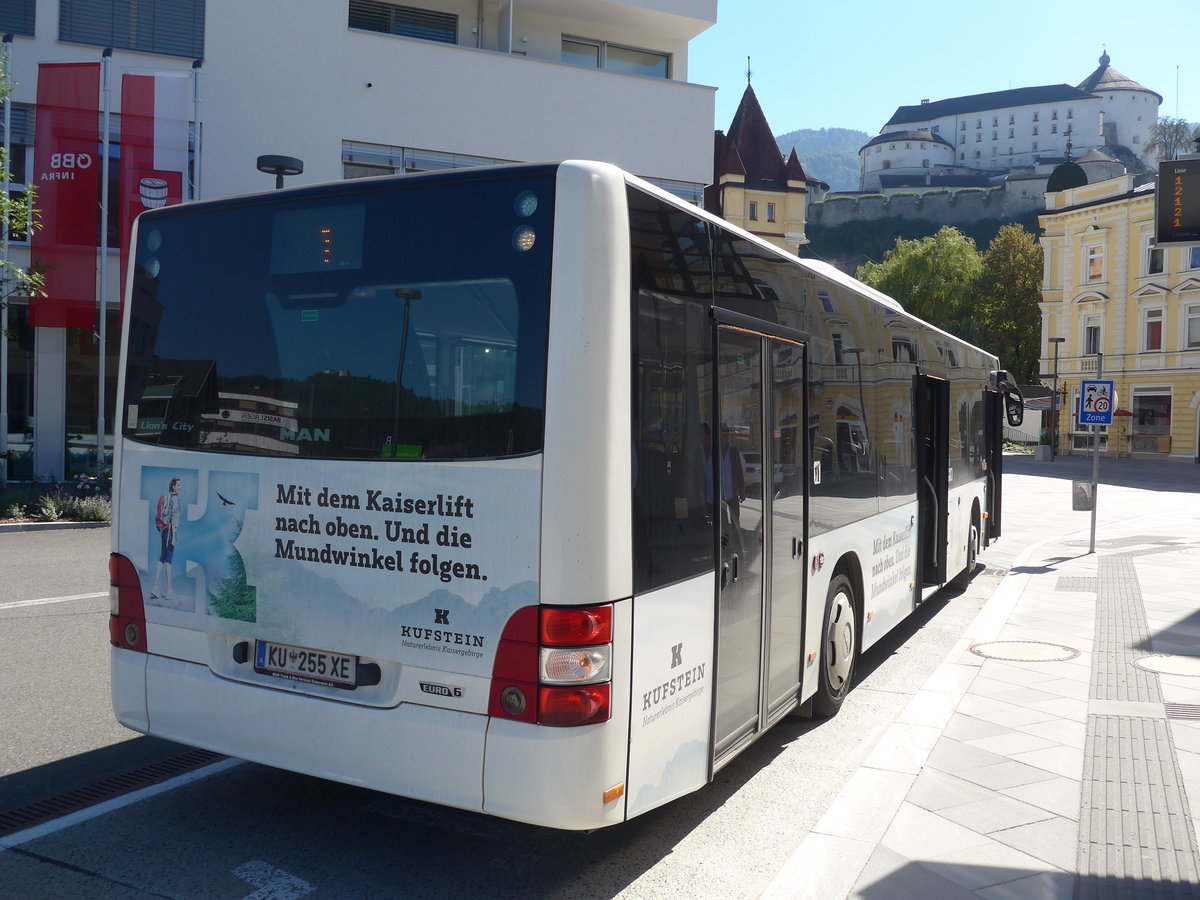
(20,604)
(103,809)
(272,883)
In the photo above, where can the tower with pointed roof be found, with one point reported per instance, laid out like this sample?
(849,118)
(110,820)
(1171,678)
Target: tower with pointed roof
(753,185)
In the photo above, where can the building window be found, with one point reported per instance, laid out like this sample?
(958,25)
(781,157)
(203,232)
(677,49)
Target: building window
(770,212)
(1151,411)
(1191,327)
(1012,132)
(1054,113)
(1193,257)
(1153,257)
(1152,329)
(753,210)
(887,164)
(977,154)
(591,54)
(935,129)
(405,21)
(1091,336)
(963,127)
(1035,145)
(1012,120)
(17,16)
(995,121)
(979,123)
(1070,114)
(838,344)
(1054,129)
(1093,264)
(925,164)
(962,138)
(172,29)
(903,349)
(978,138)
(826,302)
(1035,129)
(995,135)
(1035,117)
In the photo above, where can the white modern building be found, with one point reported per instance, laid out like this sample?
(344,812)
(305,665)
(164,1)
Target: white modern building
(1011,132)
(350,88)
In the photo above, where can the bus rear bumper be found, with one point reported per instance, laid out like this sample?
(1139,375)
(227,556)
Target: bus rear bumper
(412,750)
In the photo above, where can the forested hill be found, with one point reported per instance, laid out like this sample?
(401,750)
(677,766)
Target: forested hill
(830,154)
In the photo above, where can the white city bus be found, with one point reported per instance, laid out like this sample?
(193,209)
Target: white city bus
(435,484)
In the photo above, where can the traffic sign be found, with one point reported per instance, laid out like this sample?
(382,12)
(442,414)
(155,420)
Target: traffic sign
(1097,403)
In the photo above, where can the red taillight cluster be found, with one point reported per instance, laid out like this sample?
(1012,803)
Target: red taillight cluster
(553,666)
(127,622)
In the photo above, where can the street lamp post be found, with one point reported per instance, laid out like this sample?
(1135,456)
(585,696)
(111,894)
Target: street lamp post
(1054,402)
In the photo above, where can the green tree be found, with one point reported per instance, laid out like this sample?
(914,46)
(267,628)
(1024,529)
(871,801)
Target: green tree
(17,216)
(935,278)
(1007,310)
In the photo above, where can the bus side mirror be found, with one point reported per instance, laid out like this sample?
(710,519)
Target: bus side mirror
(1014,407)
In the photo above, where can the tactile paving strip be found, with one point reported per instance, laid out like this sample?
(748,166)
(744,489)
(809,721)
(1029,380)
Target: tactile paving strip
(1136,837)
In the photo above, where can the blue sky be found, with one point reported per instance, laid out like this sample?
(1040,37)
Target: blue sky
(849,64)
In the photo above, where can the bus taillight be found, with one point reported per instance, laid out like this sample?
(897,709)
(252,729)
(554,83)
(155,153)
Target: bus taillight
(574,705)
(127,622)
(553,666)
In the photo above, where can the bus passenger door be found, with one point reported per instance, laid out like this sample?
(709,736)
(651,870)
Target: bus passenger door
(993,437)
(761,512)
(931,413)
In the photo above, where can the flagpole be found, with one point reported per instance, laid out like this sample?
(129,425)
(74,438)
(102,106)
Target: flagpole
(106,92)
(6,56)
(196,120)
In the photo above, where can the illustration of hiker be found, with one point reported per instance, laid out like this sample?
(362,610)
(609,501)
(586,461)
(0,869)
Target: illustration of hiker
(166,520)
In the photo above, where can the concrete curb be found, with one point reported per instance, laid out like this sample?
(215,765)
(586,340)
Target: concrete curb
(6,528)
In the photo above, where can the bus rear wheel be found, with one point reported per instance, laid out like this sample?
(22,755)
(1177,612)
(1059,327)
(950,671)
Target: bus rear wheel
(963,579)
(839,645)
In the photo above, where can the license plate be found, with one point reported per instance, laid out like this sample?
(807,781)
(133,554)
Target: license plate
(305,664)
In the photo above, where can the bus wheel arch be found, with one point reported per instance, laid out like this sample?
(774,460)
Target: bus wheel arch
(963,578)
(841,637)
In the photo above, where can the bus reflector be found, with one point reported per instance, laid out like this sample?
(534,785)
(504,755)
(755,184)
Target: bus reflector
(127,622)
(574,705)
(614,793)
(575,626)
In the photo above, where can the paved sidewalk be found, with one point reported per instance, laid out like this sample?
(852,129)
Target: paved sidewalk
(1056,751)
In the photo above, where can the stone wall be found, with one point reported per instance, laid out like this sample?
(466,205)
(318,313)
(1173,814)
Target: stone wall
(943,207)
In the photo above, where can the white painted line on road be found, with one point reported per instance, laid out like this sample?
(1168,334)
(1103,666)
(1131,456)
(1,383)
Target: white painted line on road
(103,809)
(21,604)
(272,883)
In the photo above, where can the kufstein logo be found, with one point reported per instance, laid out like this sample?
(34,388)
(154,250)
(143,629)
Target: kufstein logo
(676,685)
(440,690)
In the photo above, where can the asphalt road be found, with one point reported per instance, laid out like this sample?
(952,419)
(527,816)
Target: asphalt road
(250,826)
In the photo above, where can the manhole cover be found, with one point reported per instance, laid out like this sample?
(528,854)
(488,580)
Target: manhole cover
(1170,665)
(1024,651)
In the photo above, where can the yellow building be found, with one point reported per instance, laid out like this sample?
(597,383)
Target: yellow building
(753,186)
(1108,289)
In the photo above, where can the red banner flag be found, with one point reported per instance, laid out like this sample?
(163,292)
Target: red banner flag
(66,170)
(154,147)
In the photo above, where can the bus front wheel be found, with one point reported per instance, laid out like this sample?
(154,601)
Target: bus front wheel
(839,644)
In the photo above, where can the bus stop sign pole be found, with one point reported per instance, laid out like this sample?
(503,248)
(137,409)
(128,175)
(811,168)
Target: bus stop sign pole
(1097,404)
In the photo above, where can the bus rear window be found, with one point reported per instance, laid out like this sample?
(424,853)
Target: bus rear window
(376,321)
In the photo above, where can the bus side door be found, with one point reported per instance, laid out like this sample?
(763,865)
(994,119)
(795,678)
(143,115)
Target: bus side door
(762,514)
(931,413)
